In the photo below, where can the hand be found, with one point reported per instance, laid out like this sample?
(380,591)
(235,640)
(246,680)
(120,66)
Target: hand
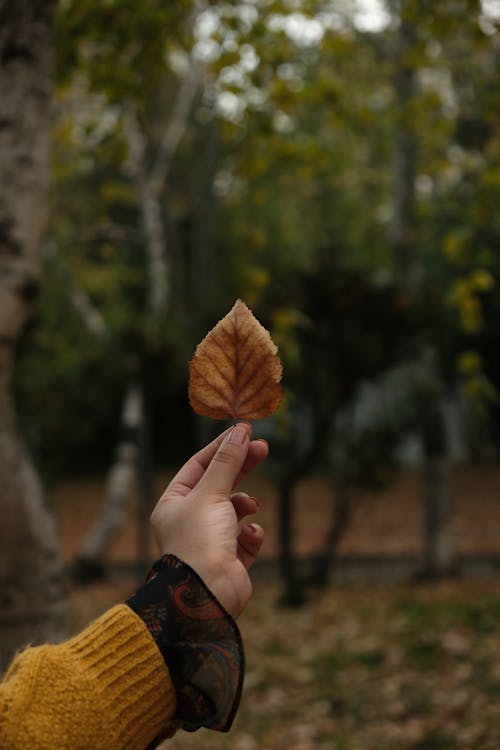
(197,516)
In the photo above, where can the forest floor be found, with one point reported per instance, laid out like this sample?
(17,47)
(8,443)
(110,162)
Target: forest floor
(361,666)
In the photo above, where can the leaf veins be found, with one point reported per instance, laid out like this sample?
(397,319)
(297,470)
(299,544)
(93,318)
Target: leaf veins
(235,372)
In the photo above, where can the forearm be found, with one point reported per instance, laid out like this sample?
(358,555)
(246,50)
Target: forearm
(106,689)
(170,657)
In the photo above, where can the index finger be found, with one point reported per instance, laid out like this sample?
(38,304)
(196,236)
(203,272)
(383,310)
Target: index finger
(258,451)
(190,474)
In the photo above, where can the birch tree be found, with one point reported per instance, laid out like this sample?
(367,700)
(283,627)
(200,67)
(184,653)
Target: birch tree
(149,186)
(438,556)
(30,569)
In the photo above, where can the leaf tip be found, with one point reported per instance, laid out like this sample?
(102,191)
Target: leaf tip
(235,372)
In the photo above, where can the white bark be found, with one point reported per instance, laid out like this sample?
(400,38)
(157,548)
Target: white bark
(439,554)
(150,184)
(80,300)
(121,480)
(438,548)
(30,569)
(401,234)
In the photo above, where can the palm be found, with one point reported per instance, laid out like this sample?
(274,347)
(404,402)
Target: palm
(197,518)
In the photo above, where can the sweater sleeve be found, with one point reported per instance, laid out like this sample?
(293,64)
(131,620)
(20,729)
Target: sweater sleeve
(106,689)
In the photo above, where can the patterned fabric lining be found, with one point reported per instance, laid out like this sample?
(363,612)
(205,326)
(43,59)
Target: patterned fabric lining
(200,642)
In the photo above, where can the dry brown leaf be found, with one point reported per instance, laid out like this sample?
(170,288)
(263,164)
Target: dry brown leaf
(235,372)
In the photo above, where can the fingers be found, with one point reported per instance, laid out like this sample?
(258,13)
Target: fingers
(190,474)
(249,543)
(244,504)
(258,451)
(193,470)
(227,463)
(251,536)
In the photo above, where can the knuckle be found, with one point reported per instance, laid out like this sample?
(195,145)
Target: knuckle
(225,456)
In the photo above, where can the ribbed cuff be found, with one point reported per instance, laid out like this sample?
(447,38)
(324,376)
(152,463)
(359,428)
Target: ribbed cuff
(122,660)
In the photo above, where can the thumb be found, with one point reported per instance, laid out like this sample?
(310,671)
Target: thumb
(225,466)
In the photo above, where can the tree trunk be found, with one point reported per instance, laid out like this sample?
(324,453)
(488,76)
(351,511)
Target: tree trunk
(147,494)
(150,188)
(402,226)
(323,563)
(436,500)
(131,461)
(30,569)
(292,593)
(438,555)
(121,478)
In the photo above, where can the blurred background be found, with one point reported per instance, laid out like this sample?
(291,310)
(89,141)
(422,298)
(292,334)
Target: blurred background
(337,166)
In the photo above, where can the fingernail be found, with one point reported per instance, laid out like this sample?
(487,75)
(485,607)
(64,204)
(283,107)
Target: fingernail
(254,528)
(238,435)
(255,501)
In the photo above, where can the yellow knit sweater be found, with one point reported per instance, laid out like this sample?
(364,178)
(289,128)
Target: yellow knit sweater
(106,689)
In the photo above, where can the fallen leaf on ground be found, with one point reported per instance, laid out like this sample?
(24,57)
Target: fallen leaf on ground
(235,372)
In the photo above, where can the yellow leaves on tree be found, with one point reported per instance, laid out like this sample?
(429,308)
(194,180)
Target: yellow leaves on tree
(235,372)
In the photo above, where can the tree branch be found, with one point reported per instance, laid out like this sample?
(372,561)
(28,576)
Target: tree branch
(90,315)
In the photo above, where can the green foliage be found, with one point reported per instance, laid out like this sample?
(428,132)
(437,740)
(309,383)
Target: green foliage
(348,329)
(119,47)
(281,191)
(68,388)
